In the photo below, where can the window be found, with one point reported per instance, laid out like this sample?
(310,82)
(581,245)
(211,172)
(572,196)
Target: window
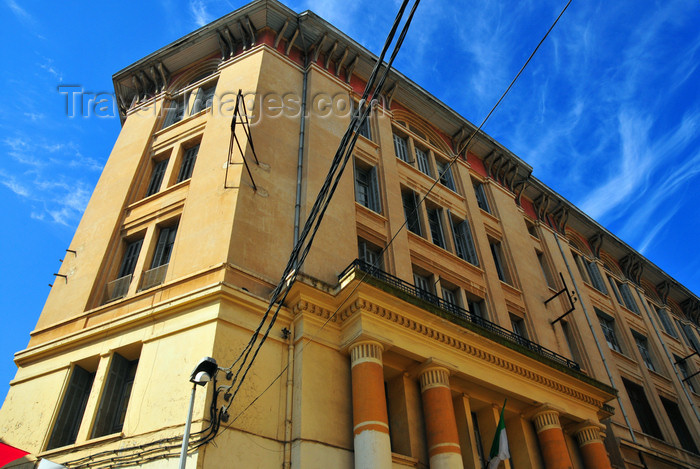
(367,188)
(370,254)
(613,286)
(157,177)
(685,372)
(451,300)
(596,279)
(581,267)
(435,223)
(197,99)
(166,240)
(532,229)
(679,425)
(161,258)
(477,440)
(365,129)
(628,299)
(115,396)
(423,286)
(187,165)
(204,98)
(410,209)
(643,347)
(176,111)
(401,148)
(545,270)
(608,325)
(642,409)
(464,243)
(477,307)
(571,341)
(70,415)
(481,196)
(501,269)
(423,162)
(120,287)
(689,336)
(445,174)
(666,322)
(518,325)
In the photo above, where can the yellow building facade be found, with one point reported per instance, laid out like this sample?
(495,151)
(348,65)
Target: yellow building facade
(411,322)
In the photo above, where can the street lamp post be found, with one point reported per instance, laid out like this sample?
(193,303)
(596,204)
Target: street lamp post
(202,374)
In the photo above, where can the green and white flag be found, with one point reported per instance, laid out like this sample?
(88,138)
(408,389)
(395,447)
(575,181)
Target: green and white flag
(499,447)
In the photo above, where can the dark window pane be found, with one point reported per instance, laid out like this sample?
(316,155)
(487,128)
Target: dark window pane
(130,257)
(115,396)
(65,430)
(642,409)
(410,208)
(401,148)
(435,222)
(187,165)
(166,240)
(464,243)
(481,197)
(157,177)
(679,425)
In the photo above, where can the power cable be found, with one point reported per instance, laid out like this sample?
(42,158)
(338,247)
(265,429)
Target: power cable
(465,147)
(317,212)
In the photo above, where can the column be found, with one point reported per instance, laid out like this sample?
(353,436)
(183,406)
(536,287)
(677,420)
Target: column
(369,415)
(551,438)
(590,442)
(440,423)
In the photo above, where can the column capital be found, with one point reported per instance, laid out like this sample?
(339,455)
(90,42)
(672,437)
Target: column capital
(545,418)
(364,351)
(434,376)
(588,432)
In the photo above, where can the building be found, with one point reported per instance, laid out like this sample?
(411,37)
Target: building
(394,359)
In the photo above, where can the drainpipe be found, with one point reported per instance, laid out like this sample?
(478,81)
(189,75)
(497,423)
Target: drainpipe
(300,157)
(595,338)
(668,354)
(288,412)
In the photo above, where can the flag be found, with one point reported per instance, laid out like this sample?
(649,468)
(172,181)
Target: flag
(499,447)
(10,453)
(46,464)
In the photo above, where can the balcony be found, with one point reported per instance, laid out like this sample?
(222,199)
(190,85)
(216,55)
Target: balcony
(458,313)
(154,277)
(117,289)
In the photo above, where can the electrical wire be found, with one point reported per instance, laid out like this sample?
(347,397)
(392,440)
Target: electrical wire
(301,249)
(464,148)
(303,246)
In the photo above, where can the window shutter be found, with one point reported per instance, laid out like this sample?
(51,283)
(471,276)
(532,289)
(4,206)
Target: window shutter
(375,200)
(157,177)
(187,165)
(70,415)
(130,257)
(109,401)
(164,247)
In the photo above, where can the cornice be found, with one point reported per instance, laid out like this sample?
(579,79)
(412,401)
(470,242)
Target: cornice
(363,305)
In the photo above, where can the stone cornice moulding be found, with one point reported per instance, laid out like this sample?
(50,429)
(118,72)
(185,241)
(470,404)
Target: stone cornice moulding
(363,305)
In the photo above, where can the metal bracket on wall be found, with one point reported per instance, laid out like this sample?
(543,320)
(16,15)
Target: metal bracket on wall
(570,294)
(242,120)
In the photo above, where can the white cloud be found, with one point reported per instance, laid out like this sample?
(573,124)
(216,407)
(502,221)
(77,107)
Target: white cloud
(48,66)
(19,12)
(199,12)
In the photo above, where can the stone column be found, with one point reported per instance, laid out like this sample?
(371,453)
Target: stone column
(590,442)
(369,415)
(551,438)
(440,423)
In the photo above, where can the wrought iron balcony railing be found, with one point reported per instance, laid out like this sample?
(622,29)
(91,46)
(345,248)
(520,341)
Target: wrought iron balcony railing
(459,312)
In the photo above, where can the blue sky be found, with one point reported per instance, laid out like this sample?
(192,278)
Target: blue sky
(608,112)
